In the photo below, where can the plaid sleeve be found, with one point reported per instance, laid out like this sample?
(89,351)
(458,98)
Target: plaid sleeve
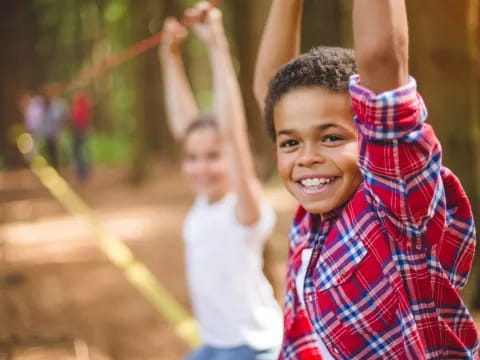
(400,157)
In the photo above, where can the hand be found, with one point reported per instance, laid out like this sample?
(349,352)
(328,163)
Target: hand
(206,23)
(174,34)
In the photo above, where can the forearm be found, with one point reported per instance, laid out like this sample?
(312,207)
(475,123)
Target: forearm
(231,116)
(179,100)
(228,103)
(280,43)
(381,43)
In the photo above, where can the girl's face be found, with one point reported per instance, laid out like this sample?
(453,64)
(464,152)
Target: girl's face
(204,163)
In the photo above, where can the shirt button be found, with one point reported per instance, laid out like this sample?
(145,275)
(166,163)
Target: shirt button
(336,351)
(342,272)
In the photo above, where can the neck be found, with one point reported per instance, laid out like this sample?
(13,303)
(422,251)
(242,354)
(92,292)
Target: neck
(212,199)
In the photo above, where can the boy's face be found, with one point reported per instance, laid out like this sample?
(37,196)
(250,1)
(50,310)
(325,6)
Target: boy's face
(317,147)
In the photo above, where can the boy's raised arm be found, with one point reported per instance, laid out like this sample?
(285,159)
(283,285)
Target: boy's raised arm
(179,100)
(280,43)
(380,32)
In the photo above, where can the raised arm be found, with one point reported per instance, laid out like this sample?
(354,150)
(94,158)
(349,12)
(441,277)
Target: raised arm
(179,100)
(280,43)
(400,156)
(380,32)
(230,113)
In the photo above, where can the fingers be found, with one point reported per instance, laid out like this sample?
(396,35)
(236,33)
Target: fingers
(173,27)
(173,34)
(189,17)
(205,21)
(203,8)
(201,13)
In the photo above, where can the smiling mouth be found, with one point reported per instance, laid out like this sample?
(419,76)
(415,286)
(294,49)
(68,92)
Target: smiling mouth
(314,185)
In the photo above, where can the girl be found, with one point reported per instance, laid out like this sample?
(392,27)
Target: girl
(226,229)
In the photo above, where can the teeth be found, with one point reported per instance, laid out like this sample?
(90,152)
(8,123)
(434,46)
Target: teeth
(315,181)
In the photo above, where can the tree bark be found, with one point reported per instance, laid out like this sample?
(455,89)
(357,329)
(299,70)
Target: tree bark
(447,73)
(17,25)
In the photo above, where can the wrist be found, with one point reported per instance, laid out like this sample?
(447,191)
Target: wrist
(170,51)
(219,43)
(218,52)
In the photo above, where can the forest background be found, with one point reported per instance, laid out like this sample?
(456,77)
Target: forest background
(51,41)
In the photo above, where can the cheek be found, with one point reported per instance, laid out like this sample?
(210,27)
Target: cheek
(192,168)
(219,167)
(347,160)
(284,165)
(187,168)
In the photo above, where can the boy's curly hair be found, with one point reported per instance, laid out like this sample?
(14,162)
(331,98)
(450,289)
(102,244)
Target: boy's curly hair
(327,67)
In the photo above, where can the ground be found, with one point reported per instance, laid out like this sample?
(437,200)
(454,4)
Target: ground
(60,297)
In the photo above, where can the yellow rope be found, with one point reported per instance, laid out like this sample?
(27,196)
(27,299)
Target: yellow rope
(116,251)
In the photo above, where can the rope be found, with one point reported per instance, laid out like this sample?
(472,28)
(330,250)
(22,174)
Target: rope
(116,251)
(90,72)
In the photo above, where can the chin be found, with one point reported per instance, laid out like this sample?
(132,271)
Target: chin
(313,207)
(317,209)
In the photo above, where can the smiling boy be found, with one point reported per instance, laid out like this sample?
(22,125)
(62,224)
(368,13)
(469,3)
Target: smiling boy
(384,237)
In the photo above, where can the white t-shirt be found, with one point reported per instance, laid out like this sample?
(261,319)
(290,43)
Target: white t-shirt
(232,300)
(299,284)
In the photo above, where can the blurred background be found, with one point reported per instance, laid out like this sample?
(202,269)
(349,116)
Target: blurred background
(60,296)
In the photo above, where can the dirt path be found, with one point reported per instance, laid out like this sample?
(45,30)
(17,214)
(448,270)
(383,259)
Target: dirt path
(62,299)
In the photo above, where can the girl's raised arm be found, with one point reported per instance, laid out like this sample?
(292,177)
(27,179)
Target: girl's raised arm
(179,100)
(229,112)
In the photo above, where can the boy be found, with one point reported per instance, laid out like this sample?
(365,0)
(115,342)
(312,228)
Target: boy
(384,236)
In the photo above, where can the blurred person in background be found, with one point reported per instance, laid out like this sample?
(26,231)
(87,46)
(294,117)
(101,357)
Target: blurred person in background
(54,117)
(81,109)
(226,229)
(34,111)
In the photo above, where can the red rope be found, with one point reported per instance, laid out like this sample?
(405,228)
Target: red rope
(88,73)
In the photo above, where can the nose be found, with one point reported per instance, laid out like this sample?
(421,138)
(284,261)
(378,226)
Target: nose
(310,155)
(202,167)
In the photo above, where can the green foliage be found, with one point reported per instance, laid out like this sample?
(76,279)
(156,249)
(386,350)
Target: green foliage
(101,148)
(115,11)
(108,149)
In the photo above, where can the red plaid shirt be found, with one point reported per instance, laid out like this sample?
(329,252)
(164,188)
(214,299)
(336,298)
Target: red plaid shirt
(385,272)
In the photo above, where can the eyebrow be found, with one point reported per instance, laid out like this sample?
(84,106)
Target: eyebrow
(320,127)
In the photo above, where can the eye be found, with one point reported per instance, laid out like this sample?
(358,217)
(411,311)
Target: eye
(288,143)
(189,157)
(332,138)
(213,155)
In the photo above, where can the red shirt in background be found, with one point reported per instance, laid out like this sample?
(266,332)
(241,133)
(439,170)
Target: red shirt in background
(81,112)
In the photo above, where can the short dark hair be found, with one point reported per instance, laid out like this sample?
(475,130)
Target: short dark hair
(202,121)
(327,67)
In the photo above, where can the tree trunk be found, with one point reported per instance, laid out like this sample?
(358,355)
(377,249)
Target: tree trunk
(247,34)
(16,72)
(151,131)
(321,24)
(442,62)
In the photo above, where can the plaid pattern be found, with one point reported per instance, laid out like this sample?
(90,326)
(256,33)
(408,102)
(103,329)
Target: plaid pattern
(385,271)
